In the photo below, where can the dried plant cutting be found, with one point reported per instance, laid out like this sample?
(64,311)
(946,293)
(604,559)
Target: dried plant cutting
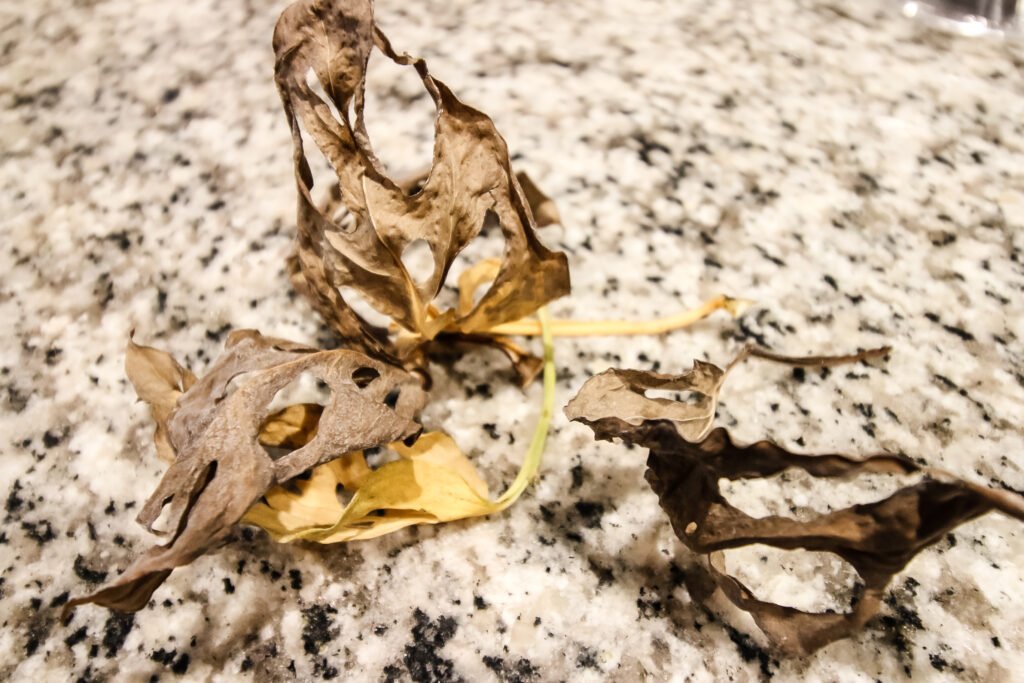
(237,455)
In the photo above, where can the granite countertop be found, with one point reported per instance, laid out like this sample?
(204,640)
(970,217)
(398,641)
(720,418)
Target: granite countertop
(858,175)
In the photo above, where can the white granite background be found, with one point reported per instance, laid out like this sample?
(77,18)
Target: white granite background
(859,176)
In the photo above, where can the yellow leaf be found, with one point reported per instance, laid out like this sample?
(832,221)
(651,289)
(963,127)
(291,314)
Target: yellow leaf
(433,482)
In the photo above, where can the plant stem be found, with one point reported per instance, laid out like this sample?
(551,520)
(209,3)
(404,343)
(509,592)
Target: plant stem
(533,456)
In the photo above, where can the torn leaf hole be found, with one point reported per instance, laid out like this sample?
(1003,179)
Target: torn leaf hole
(314,84)
(379,456)
(306,387)
(363,308)
(796,494)
(343,495)
(398,107)
(321,173)
(806,580)
(161,525)
(687,397)
(362,377)
(418,261)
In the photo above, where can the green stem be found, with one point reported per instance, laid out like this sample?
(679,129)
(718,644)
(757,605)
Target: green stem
(533,456)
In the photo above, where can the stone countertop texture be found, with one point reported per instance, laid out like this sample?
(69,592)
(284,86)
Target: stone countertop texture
(860,176)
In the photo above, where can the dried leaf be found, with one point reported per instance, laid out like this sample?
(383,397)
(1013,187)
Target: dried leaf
(613,401)
(433,482)
(470,177)
(541,206)
(220,469)
(684,470)
(159,381)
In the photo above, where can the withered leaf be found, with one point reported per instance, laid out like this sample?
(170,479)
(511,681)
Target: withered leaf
(214,429)
(470,177)
(613,401)
(159,381)
(433,482)
(877,539)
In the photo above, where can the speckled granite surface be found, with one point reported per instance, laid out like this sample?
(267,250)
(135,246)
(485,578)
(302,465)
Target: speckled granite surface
(857,175)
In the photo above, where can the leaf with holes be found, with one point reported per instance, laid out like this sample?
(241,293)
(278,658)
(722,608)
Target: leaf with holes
(470,179)
(433,481)
(686,463)
(217,430)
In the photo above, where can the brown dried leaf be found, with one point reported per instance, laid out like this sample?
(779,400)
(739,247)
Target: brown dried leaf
(470,177)
(220,469)
(159,381)
(877,539)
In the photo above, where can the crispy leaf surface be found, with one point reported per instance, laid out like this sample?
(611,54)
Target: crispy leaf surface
(470,177)
(214,429)
(685,465)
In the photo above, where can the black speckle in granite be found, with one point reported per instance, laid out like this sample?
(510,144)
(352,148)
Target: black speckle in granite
(590,513)
(115,631)
(577,478)
(492,430)
(246,665)
(121,239)
(995,641)
(958,331)
(939,663)
(60,599)
(215,335)
(16,399)
(229,587)
(831,282)
(44,98)
(479,602)
(799,374)
(520,672)
(391,673)
(86,574)
(295,577)
(750,650)
(53,437)
(901,622)
(865,184)
(76,637)
(421,657)
(647,146)
(323,669)
(205,260)
(14,501)
(605,576)
(52,354)
(649,609)
(587,658)
(319,628)
(217,205)
(41,532)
